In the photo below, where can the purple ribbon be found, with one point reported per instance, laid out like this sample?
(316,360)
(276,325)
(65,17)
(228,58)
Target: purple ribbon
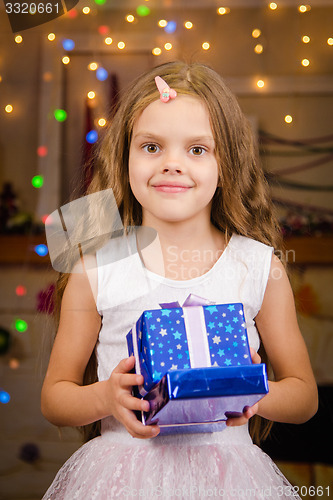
(195,328)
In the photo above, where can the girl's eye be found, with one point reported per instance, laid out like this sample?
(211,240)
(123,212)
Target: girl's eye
(151,148)
(197,150)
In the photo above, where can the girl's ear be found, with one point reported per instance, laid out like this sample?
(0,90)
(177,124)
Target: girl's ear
(219,182)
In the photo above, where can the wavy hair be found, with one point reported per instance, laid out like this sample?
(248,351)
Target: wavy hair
(241,203)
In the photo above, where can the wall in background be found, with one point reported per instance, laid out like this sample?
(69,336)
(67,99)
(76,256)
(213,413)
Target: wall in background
(34,80)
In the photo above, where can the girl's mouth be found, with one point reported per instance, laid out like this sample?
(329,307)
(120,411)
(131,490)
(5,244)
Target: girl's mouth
(171,188)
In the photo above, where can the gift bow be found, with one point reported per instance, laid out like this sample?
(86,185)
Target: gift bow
(190,301)
(195,327)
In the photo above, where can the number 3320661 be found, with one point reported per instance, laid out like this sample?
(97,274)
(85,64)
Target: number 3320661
(31,8)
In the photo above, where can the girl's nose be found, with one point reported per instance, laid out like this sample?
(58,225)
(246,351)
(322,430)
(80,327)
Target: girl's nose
(172,169)
(172,166)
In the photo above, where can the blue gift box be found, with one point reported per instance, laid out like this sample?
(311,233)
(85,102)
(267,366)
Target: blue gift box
(201,399)
(192,336)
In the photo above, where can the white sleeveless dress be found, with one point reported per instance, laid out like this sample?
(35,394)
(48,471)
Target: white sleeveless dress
(189,466)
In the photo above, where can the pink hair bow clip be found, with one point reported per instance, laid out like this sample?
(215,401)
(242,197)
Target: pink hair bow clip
(165,92)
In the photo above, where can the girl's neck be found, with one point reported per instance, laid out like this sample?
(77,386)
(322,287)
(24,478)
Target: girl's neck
(186,235)
(186,249)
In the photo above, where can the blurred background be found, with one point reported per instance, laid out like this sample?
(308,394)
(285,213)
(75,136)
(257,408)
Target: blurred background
(58,84)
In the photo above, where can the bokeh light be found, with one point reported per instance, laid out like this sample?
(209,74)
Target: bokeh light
(42,151)
(60,115)
(157,51)
(20,290)
(101,74)
(92,136)
(143,10)
(170,27)
(256,33)
(223,10)
(304,8)
(92,66)
(72,14)
(41,250)
(4,397)
(103,29)
(21,325)
(37,181)
(68,44)
(188,25)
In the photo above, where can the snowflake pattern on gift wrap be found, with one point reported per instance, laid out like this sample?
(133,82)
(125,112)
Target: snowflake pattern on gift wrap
(164,339)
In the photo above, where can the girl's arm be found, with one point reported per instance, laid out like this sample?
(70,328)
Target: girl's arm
(293,395)
(65,401)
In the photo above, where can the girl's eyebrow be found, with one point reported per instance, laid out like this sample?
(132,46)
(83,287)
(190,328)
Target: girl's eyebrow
(194,139)
(146,135)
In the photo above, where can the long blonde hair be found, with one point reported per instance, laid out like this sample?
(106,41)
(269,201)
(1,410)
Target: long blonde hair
(241,203)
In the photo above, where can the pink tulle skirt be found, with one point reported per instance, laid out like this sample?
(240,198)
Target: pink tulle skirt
(116,465)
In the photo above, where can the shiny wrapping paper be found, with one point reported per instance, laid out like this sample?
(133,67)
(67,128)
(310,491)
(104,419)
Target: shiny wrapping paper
(196,364)
(192,336)
(200,399)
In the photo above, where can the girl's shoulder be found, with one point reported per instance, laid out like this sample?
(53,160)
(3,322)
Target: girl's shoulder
(248,248)
(116,249)
(83,280)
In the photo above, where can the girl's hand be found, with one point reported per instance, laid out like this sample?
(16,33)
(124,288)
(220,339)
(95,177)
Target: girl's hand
(248,411)
(122,404)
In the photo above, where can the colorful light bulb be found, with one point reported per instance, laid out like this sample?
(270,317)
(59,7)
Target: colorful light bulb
(41,250)
(92,136)
(21,325)
(101,74)
(68,44)
(143,10)
(4,397)
(37,181)
(20,290)
(42,151)
(171,27)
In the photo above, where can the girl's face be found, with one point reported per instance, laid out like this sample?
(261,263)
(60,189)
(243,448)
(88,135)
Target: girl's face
(173,171)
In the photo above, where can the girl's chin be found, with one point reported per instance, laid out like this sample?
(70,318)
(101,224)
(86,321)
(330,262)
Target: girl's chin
(170,219)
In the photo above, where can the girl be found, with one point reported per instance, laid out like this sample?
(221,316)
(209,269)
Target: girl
(180,159)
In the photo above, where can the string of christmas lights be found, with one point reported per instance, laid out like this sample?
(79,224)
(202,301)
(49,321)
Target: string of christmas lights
(170,27)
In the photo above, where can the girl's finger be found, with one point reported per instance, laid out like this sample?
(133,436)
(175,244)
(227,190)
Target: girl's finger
(233,422)
(138,430)
(256,359)
(131,403)
(249,411)
(127,380)
(125,365)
